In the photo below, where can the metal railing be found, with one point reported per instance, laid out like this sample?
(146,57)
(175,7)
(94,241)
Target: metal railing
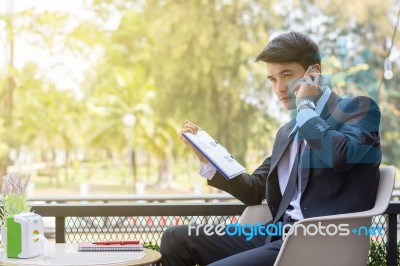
(392,224)
(88,222)
(148,198)
(127,198)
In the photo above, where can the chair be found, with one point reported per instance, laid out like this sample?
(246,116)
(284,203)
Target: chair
(317,250)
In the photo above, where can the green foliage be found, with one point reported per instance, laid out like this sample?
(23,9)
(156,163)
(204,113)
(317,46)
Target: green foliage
(377,254)
(13,203)
(14,199)
(151,245)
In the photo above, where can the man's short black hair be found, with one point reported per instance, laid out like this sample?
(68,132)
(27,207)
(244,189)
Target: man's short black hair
(292,47)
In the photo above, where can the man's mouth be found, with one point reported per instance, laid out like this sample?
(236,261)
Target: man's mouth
(284,98)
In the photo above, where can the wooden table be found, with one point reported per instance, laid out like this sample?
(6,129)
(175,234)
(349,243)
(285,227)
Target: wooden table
(68,254)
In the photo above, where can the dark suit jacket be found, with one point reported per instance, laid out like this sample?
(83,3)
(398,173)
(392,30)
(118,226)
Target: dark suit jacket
(342,156)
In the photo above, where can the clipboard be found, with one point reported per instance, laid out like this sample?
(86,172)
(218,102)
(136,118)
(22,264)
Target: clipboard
(215,153)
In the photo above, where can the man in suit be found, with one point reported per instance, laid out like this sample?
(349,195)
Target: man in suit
(324,162)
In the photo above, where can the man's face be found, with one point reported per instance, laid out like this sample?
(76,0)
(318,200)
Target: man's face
(279,75)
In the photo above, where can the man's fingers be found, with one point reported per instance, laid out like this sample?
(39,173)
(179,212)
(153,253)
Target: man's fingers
(318,80)
(188,127)
(305,80)
(193,128)
(185,130)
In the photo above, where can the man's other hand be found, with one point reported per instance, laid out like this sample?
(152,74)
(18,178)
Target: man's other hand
(189,127)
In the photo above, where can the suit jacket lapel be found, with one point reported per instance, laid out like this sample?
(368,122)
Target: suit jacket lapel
(281,143)
(305,166)
(273,194)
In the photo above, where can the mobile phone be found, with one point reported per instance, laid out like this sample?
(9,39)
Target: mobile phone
(293,85)
(312,70)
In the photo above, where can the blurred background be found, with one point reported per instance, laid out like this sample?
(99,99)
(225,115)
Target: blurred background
(94,93)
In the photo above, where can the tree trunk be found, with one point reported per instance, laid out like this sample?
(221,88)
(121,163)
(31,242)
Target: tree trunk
(3,172)
(165,173)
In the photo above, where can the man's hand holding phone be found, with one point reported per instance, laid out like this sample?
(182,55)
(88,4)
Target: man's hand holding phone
(307,90)
(309,87)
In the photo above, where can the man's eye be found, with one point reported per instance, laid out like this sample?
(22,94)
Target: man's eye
(272,79)
(287,75)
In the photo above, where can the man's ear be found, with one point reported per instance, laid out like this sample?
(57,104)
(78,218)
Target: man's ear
(317,67)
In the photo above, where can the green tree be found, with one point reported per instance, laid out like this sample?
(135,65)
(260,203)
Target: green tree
(119,92)
(35,112)
(205,66)
(45,119)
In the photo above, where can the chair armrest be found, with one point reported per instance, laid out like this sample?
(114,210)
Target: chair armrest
(255,214)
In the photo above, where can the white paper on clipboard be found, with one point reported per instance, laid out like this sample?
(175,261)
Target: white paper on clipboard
(216,154)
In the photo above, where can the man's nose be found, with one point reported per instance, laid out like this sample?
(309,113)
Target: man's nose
(281,86)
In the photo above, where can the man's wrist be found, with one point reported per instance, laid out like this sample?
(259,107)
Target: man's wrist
(306,103)
(304,107)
